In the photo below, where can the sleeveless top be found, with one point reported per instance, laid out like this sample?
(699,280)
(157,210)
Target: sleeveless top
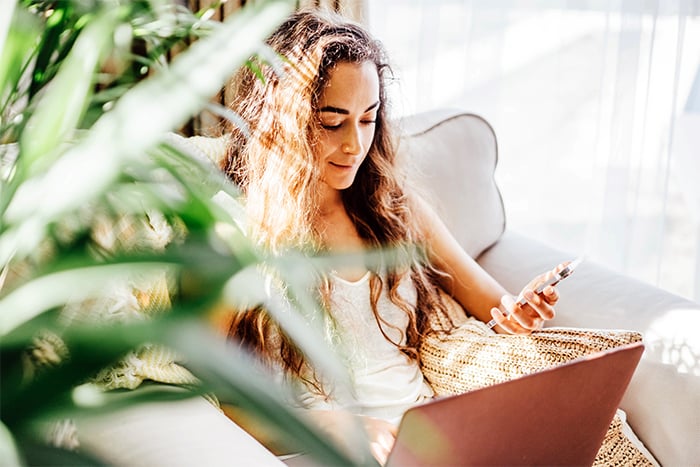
(385,382)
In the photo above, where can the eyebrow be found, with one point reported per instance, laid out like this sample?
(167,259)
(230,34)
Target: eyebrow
(338,110)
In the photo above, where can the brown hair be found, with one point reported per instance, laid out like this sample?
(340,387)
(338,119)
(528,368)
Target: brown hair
(273,162)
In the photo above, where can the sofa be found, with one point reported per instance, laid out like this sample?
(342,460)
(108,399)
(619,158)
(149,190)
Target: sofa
(452,156)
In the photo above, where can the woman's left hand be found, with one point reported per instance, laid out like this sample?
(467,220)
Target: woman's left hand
(514,318)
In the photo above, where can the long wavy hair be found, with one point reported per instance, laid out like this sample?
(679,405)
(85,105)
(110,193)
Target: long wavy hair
(272,159)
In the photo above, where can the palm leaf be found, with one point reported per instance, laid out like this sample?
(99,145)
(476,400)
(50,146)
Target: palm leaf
(137,123)
(122,155)
(64,100)
(17,40)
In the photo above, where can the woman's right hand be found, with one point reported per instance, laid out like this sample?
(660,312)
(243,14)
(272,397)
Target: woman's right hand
(338,425)
(514,318)
(382,436)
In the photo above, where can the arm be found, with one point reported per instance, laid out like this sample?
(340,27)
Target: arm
(475,289)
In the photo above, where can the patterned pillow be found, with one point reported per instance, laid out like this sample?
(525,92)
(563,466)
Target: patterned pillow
(473,356)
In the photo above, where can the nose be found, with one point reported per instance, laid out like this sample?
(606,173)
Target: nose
(352,142)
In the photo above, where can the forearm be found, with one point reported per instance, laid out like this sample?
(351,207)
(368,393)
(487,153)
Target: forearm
(477,294)
(466,281)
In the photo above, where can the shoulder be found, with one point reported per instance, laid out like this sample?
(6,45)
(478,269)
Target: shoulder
(425,215)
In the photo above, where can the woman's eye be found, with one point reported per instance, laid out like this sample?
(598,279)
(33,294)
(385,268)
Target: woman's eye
(336,126)
(330,127)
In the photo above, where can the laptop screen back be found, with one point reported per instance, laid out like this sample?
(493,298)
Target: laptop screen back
(556,416)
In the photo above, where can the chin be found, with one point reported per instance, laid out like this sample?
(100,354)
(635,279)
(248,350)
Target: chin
(342,185)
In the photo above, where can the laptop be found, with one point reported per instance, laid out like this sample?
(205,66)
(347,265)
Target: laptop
(557,416)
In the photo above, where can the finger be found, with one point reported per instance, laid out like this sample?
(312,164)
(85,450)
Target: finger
(550,295)
(380,452)
(509,321)
(561,266)
(527,317)
(546,278)
(503,321)
(498,316)
(541,308)
(382,446)
(527,321)
(520,319)
(531,298)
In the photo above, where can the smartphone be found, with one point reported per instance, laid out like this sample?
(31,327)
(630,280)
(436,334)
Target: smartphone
(554,280)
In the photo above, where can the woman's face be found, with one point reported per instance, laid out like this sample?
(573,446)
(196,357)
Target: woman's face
(347,112)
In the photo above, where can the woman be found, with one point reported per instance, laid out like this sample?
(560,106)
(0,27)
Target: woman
(316,164)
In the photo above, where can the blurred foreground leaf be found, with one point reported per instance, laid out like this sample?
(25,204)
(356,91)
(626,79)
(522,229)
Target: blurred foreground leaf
(39,454)
(63,101)
(260,396)
(8,449)
(223,369)
(124,164)
(138,122)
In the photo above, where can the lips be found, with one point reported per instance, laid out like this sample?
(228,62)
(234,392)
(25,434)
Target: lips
(341,166)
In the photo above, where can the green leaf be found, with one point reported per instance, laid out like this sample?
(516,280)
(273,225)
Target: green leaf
(89,399)
(9,9)
(15,48)
(49,392)
(9,455)
(53,46)
(298,314)
(43,293)
(137,122)
(38,453)
(222,368)
(65,98)
(239,382)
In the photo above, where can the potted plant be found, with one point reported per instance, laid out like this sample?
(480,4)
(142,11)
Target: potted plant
(87,98)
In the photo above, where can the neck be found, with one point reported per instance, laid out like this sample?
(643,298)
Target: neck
(331,202)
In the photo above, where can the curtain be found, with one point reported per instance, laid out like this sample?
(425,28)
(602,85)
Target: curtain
(596,105)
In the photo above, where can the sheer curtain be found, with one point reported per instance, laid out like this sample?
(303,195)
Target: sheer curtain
(596,105)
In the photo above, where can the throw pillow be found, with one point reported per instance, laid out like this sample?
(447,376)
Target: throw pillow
(473,356)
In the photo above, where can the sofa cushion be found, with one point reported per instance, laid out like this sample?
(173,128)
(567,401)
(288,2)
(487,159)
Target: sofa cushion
(451,157)
(473,356)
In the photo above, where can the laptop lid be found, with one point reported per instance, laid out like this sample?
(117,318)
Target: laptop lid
(554,417)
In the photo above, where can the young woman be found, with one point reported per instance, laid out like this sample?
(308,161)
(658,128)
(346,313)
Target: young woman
(316,164)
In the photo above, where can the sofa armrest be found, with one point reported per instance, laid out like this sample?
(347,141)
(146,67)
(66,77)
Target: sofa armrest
(176,433)
(663,399)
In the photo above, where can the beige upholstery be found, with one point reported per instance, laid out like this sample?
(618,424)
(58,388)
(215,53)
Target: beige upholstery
(458,153)
(451,156)
(185,433)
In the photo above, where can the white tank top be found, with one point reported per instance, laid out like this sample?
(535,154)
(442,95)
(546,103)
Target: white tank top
(385,382)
